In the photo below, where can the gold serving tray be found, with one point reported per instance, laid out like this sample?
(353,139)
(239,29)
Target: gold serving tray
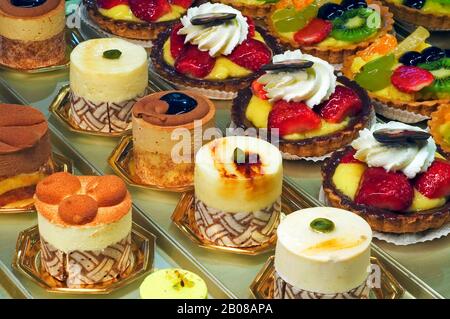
(183,218)
(28,262)
(73,38)
(62,164)
(122,163)
(263,285)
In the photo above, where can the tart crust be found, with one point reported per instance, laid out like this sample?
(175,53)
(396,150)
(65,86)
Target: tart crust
(431,21)
(437,119)
(419,107)
(337,55)
(315,146)
(380,219)
(228,85)
(254,11)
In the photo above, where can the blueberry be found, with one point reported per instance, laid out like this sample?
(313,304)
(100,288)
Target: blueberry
(27,3)
(411,58)
(416,4)
(353,4)
(330,11)
(179,103)
(432,54)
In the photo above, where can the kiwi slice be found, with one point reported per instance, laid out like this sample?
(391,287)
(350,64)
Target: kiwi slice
(441,72)
(355,25)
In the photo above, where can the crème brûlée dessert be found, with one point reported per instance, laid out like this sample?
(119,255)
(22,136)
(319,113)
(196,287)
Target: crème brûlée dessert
(215,49)
(25,154)
(136,19)
(392,177)
(164,138)
(431,14)
(408,80)
(300,100)
(440,129)
(32,33)
(322,253)
(330,30)
(84,227)
(238,182)
(173,283)
(256,9)
(107,76)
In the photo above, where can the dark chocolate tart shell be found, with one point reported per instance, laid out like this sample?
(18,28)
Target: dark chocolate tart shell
(315,146)
(229,85)
(380,219)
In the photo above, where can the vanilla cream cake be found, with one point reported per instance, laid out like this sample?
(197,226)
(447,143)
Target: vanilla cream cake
(25,154)
(322,252)
(158,157)
(238,182)
(32,36)
(85,227)
(107,76)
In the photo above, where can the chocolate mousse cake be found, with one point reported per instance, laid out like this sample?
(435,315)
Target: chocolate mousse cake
(322,253)
(107,76)
(85,227)
(25,154)
(238,182)
(164,138)
(32,33)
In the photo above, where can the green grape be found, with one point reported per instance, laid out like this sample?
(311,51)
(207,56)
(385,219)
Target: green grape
(309,12)
(283,14)
(376,75)
(288,20)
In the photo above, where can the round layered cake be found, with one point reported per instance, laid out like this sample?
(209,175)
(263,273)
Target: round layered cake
(25,154)
(85,227)
(321,253)
(107,76)
(32,35)
(167,127)
(238,182)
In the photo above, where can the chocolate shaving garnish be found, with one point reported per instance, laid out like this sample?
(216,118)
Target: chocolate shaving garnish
(212,19)
(400,136)
(288,66)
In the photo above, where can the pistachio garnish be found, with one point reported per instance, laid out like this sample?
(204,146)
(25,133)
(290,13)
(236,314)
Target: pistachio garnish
(113,54)
(322,225)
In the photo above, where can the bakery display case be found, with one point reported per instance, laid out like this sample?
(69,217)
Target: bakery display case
(165,217)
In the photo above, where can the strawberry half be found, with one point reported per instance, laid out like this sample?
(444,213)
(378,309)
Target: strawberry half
(314,32)
(259,91)
(149,10)
(410,79)
(385,190)
(176,41)
(292,117)
(182,3)
(108,4)
(251,27)
(349,157)
(251,54)
(194,62)
(342,103)
(435,182)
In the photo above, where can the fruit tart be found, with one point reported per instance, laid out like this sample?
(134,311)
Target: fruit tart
(302,103)
(254,8)
(215,50)
(406,80)
(440,129)
(431,14)
(329,30)
(392,177)
(136,19)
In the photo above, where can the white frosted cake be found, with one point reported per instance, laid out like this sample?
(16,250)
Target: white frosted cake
(238,201)
(322,252)
(107,76)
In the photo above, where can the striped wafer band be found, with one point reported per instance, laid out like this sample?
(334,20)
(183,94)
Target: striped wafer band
(87,267)
(244,229)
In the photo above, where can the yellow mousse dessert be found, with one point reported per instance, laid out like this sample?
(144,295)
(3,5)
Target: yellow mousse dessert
(238,182)
(322,253)
(32,36)
(173,284)
(107,76)
(165,138)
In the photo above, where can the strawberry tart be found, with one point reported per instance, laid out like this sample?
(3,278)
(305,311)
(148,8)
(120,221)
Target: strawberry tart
(301,101)
(136,19)
(392,177)
(215,49)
